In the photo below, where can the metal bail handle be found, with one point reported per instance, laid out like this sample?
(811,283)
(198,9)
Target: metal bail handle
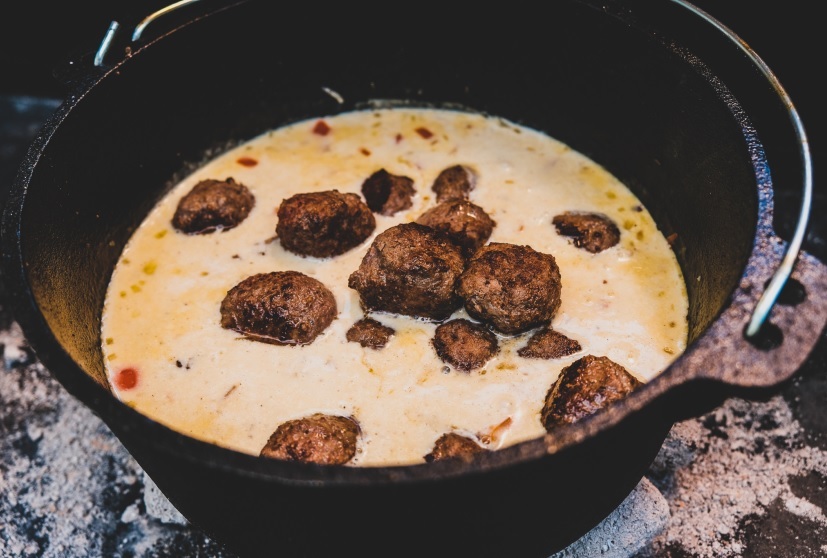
(139,29)
(770,295)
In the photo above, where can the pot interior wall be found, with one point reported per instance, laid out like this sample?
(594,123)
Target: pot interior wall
(584,77)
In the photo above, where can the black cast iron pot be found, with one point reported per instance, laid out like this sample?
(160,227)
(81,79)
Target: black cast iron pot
(660,94)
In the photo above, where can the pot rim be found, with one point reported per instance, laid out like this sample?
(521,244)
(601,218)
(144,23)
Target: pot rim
(767,252)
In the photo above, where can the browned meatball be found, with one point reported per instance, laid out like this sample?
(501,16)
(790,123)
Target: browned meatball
(454,183)
(454,446)
(467,224)
(318,438)
(323,224)
(512,288)
(388,193)
(213,205)
(280,307)
(464,344)
(370,333)
(593,232)
(583,388)
(547,344)
(410,269)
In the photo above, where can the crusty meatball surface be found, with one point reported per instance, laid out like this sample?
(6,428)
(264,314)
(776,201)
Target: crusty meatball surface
(279,307)
(319,438)
(593,232)
(583,388)
(510,287)
(547,343)
(213,205)
(454,446)
(466,223)
(464,344)
(387,193)
(454,183)
(323,224)
(410,269)
(369,333)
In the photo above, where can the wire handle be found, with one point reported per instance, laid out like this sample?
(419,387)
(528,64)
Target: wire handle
(139,29)
(114,26)
(770,295)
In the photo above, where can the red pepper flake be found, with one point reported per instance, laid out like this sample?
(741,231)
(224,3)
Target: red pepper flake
(247,161)
(672,238)
(424,132)
(126,379)
(398,138)
(321,128)
(364,151)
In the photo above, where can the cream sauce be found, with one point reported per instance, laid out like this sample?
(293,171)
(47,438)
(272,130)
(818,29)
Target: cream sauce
(161,315)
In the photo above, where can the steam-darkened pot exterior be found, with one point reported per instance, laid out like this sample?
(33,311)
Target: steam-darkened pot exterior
(661,97)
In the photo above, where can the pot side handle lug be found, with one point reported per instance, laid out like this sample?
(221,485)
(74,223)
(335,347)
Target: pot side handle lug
(751,364)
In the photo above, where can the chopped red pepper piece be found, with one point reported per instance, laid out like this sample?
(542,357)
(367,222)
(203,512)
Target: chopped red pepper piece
(321,128)
(247,161)
(126,379)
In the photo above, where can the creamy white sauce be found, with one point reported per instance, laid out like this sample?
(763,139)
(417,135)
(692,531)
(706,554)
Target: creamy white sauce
(161,315)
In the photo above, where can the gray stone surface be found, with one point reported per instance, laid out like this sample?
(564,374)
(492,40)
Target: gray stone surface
(628,530)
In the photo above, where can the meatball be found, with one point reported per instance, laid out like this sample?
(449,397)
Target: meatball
(387,193)
(410,269)
(369,333)
(454,446)
(467,224)
(318,438)
(548,344)
(280,307)
(583,388)
(454,183)
(512,288)
(593,232)
(323,224)
(213,205)
(464,344)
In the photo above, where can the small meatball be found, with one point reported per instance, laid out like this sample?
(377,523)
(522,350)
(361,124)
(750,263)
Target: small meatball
(318,438)
(548,344)
(387,193)
(454,446)
(464,344)
(213,205)
(323,224)
(467,224)
(369,333)
(280,307)
(454,183)
(593,232)
(410,269)
(583,388)
(512,288)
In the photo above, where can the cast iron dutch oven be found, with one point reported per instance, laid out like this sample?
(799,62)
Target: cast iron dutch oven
(662,95)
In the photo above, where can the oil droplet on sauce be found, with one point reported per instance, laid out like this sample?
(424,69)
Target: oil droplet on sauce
(126,378)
